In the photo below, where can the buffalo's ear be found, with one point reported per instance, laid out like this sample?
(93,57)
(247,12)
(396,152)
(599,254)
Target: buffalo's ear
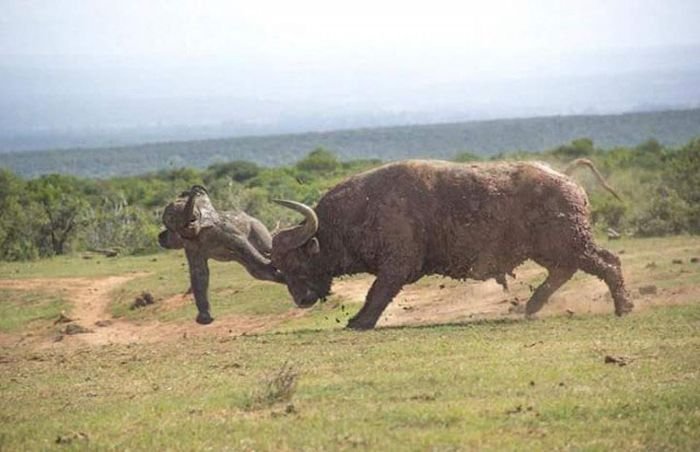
(312,246)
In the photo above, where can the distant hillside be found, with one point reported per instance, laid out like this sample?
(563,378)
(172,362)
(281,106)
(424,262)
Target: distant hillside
(671,128)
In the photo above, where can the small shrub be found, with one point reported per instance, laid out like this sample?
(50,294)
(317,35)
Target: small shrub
(581,147)
(237,170)
(466,157)
(319,160)
(279,387)
(607,212)
(665,213)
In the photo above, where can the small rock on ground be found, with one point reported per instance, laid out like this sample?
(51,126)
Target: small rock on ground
(142,301)
(619,360)
(648,290)
(71,437)
(62,318)
(74,328)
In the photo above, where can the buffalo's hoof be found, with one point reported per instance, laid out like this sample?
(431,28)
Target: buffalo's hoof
(359,326)
(204,319)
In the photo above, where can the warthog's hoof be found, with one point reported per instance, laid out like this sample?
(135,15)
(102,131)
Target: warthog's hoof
(624,309)
(204,319)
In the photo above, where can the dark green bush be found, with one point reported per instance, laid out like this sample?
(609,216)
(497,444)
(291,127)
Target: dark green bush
(56,214)
(319,160)
(466,157)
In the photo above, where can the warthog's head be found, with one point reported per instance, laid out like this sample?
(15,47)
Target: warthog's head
(185,217)
(298,255)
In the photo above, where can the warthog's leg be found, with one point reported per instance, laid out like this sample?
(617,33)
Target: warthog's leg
(199,280)
(383,290)
(556,278)
(606,266)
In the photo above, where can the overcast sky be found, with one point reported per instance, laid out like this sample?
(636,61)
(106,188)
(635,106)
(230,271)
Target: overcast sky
(301,50)
(303,30)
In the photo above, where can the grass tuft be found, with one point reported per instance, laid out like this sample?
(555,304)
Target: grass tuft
(278,387)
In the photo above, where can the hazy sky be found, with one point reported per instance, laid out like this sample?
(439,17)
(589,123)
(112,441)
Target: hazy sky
(310,30)
(317,50)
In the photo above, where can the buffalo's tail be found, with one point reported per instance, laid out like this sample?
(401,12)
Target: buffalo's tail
(585,162)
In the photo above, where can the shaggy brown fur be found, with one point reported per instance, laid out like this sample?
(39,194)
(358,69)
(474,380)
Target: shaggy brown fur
(194,224)
(409,219)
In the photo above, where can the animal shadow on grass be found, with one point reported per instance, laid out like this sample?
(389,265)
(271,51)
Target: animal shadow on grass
(456,324)
(459,324)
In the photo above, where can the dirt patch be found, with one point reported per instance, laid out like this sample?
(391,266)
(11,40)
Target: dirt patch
(62,318)
(74,328)
(89,299)
(648,290)
(437,300)
(89,321)
(432,300)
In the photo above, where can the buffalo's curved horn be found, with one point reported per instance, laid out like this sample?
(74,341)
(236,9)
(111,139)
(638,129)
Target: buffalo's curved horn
(296,236)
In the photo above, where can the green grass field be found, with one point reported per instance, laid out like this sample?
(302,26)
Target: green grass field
(19,309)
(500,383)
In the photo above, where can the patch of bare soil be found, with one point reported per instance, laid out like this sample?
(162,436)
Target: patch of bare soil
(89,321)
(430,301)
(437,300)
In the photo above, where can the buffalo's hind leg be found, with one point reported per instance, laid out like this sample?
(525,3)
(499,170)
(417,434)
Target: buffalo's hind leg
(606,266)
(383,290)
(556,278)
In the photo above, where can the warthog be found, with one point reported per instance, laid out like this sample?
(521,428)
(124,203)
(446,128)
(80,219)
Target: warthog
(194,224)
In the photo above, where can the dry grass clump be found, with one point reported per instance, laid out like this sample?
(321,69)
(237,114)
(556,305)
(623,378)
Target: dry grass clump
(278,387)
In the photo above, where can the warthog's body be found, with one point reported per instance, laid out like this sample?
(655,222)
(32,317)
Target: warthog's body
(409,219)
(194,224)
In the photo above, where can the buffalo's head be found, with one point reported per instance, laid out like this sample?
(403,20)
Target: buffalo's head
(185,217)
(298,255)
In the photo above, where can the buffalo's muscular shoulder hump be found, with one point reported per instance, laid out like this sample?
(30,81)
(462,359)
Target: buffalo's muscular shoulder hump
(369,217)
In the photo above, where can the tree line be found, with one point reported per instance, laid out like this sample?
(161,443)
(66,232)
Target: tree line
(58,214)
(484,137)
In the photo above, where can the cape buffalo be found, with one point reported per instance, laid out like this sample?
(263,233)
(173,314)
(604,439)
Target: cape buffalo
(194,224)
(409,219)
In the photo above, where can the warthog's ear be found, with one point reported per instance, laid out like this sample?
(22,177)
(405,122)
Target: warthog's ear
(312,246)
(198,190)
(170,240)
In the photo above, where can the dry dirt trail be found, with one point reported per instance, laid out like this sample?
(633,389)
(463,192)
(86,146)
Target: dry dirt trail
(90,298)
(430,301)
(89,303)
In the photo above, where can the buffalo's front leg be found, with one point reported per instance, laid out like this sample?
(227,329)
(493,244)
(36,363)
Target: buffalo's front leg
(199,280)
(556,278)
(606,266)
(383,290)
